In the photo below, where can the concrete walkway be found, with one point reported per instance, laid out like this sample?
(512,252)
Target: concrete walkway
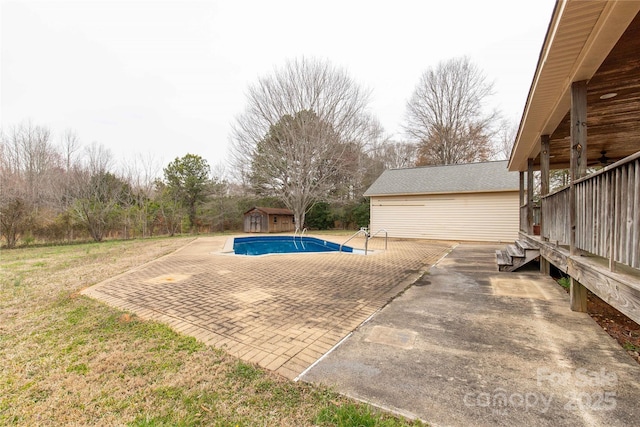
(281,312)
(468,345)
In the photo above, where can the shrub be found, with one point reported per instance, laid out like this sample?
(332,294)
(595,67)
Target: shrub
(319,217)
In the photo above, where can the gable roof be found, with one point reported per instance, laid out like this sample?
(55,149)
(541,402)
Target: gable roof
(466,178)
(271,211)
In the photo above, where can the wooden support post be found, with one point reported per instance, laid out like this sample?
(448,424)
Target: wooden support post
(544,180)
(520,220)
(613,204)
(521,188)
(578,150)
(578,294)
(530,196)
(579,126)
(545,266)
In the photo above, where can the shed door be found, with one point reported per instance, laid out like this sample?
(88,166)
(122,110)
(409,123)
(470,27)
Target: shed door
(256,223)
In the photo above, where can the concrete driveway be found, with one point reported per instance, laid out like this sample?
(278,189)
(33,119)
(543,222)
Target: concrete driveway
(468,345)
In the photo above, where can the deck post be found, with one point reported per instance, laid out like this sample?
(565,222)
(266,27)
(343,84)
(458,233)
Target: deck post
(613,204)
(530,196)
(545,266)
(578,150)
(544,177)
(521,188)
(578,294)
(522,226)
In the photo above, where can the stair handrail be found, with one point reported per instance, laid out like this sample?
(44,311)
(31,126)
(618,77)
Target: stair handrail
(363,230)
(386,236)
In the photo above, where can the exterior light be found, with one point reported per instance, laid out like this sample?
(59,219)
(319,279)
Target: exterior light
(608,95)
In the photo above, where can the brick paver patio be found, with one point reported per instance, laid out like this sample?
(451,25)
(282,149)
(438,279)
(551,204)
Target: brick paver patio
(282,312)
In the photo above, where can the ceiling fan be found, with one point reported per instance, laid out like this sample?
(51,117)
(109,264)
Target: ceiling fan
(603,160)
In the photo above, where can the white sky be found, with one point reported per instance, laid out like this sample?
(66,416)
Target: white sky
(169,77)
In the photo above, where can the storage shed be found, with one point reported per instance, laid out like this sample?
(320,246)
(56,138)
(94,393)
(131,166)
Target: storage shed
(470,202)
(268,220)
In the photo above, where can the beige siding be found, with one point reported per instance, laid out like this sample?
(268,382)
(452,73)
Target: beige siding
(485,217)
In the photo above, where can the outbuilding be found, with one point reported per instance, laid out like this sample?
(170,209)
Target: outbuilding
(268,220)
(470,202)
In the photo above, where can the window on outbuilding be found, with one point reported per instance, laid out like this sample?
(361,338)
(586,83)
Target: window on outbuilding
(275,219)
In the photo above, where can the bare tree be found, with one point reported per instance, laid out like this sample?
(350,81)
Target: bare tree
(99,192)
(98,158)
(70,150)
(70,147)
(141,173)
(13,211)
(505,138)
(36,159)
(298,124)
(445,115)
(30,167)
(220,207)
(395,154)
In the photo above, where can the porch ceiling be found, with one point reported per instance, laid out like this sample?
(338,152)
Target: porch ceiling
(587,40)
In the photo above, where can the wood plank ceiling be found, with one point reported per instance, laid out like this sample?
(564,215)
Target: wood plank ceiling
(613,125)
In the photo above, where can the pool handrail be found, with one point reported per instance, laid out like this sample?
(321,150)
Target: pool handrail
(386,236)
(366,239)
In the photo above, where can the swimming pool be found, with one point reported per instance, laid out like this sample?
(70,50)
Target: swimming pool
(264,245)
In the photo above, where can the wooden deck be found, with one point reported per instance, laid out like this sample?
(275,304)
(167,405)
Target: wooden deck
(577,118)
(620,288)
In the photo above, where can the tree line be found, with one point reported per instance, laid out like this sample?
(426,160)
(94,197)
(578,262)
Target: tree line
(306,141)
(57,190)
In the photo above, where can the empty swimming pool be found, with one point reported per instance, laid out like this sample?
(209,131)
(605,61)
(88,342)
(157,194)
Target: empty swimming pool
(264,245)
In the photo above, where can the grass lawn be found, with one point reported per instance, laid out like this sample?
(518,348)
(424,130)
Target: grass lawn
(67,359)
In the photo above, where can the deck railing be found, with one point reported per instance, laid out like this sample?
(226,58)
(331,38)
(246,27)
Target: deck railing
(555,211)
(524,224)
(524,217)
(607,213)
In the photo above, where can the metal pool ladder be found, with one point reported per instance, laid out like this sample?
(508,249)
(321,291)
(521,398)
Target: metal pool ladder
(367,236)
(304,230)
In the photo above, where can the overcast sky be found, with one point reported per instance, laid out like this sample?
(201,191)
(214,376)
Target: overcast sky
(169,77)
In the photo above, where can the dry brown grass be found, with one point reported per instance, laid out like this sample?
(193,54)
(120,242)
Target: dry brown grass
(68,360)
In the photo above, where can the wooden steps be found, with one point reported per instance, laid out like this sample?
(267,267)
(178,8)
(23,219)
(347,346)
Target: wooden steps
(516,255)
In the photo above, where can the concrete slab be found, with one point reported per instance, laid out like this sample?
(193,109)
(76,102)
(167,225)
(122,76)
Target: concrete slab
(489,348)
(401,338)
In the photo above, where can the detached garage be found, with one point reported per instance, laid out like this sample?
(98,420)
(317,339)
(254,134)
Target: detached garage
(474,202)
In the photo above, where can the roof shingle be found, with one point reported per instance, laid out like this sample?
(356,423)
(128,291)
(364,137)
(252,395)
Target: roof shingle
(464,178)
(271,211)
